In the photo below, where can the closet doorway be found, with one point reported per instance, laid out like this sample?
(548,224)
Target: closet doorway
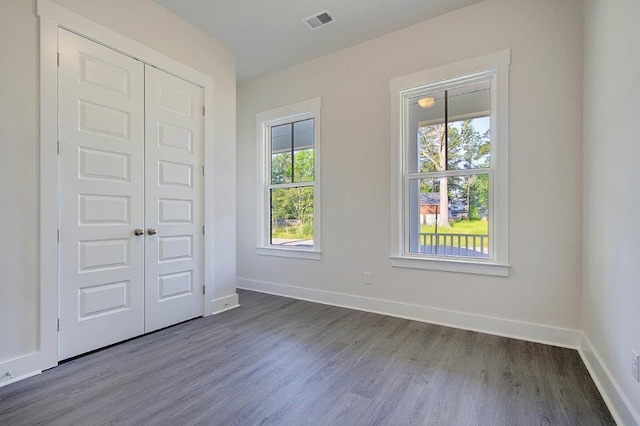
(130,208)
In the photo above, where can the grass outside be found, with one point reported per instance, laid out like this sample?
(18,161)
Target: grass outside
(305,232)
(293,232)
(476,227)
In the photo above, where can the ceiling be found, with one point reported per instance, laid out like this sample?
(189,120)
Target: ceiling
(269,35)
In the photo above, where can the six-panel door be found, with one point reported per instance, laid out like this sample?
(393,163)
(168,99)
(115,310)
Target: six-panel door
(101,132)
(173,199)
(117,278)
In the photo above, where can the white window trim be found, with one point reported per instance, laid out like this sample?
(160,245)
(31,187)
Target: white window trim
(497,63)
(264,121)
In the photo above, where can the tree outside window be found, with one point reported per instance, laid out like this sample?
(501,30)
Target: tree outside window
(292,184)
(448,168)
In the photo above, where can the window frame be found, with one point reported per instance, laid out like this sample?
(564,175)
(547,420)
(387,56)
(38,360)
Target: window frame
(496,66)
(265,121)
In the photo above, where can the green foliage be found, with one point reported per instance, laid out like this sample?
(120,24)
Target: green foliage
(465,148)
(479,196)
(306,230)
(292,208)
(468,149)
(292,204)
(304,165)
(475,227)
(294,232)
(281,168)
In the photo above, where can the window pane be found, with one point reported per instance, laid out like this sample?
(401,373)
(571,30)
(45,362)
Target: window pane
(281,168)
(465,111)
(426,120)
(449,216)
(303,134)
(281,147)
(468,118)
(303,165)
(292,216)
(303,161)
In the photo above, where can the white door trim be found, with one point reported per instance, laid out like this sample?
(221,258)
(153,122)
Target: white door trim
(53,16)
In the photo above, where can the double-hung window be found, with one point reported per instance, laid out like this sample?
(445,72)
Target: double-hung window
(289,204)
(450,170)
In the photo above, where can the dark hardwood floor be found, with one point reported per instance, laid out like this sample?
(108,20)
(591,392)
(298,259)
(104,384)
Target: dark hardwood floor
(285,362)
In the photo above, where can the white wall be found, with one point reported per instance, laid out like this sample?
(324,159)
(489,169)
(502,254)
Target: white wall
(545,160)
(18,178)
(143,21)
(611,295)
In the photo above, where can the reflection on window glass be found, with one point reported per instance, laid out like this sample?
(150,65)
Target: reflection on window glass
(449,216)
(292,152)
(426,115)
(303,151)
(303,134)
(292,216)
(469,144)
(452,129)
(281,159)
(468,119)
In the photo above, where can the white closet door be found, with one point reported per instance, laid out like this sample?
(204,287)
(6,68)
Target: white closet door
(101,132)
(174,125)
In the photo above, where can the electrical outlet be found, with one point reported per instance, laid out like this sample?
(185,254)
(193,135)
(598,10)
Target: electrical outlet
(367,278)
(634,365)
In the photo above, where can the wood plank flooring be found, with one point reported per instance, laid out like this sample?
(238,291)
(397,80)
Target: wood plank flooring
(280,361)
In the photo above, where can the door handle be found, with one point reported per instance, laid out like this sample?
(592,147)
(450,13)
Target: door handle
(137,232)
(151,231)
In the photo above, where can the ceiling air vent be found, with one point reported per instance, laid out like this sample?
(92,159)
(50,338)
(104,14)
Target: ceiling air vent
(318,19)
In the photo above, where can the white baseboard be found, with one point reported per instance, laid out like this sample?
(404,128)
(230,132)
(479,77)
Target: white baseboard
(501,327)
(19,368)
(223,304)
(618,403)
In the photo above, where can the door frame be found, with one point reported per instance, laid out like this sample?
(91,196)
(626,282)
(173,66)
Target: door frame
(53,16)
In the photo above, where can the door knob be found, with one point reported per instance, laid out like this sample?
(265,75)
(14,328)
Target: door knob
(138,232)
(151,231)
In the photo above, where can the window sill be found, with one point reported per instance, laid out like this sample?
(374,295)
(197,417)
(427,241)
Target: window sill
(289,252)
(451,265)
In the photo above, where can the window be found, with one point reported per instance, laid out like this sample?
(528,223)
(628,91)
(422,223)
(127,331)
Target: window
(289,209)
(450,168)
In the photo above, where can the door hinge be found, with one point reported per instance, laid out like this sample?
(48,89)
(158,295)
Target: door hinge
(58,147)
(202,229)
(58,58)
(58,324)
(203,289)
(203,109)
(58,235)
(203,170)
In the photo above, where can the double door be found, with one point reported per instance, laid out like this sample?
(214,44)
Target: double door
(131,189)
